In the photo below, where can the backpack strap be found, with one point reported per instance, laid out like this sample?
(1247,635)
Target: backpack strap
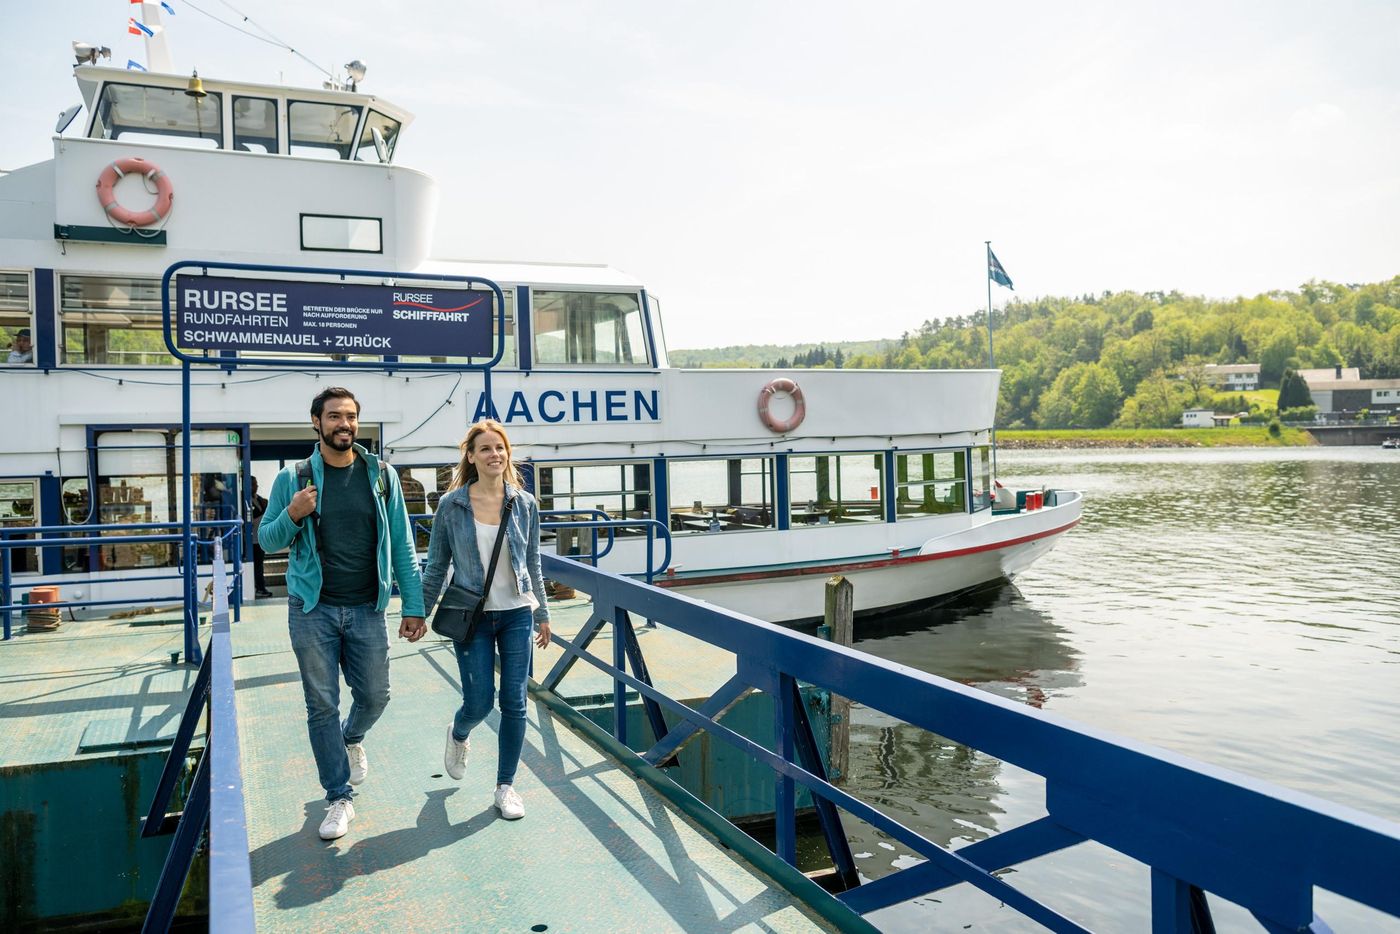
(313,521)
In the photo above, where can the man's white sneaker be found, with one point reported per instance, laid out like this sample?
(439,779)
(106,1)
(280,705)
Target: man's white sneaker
(359,762)
(338,819)
(454,755)
(509,803)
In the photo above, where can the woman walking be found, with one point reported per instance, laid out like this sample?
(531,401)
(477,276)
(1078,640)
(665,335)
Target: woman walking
(464,532)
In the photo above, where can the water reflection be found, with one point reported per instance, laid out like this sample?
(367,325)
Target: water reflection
(1238,606)
(992,639)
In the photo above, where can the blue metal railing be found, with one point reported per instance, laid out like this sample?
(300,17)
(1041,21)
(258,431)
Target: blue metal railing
(598,521)
(1196,826)
(595,521)
(214,801)
(55,536)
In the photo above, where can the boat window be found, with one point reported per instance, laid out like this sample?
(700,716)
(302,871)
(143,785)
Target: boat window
(342,234)
(138,481)
(77,506)
(589,328)
(623,491)
(507,359)
(731,495)
(19,508)
(255,124)
(322,131)
(982,492)
(836,488)
(380,149)
(112,320)
(16,314)
(930,483)
(167,116)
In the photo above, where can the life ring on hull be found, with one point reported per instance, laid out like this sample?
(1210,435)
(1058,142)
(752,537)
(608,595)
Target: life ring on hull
(107,197)
(799,411)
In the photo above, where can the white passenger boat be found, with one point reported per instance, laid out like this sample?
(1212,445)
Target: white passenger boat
(768,482)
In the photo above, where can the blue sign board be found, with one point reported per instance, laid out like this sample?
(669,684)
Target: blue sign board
(214,313)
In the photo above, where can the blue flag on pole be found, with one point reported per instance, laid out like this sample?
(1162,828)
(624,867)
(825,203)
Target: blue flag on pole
(996,273)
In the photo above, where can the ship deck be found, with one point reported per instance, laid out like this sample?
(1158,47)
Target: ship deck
(597,849)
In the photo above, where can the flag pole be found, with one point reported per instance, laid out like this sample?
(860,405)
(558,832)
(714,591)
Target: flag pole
(991,351)
(992,364)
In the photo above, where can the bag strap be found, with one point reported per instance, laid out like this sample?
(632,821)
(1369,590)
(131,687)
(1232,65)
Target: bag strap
(496,549)
(313,521)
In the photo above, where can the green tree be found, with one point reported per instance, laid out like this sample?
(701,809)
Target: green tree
(1097,396)
(1293,392)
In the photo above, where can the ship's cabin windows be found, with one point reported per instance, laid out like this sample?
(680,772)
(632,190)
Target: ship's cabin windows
(167,116)
(730,495)
(111,320)
(982,492)
(342,234)
(589,328)
(836,488)
(255,124)
(19,508)
(622,491)
(77,510)
(16,315)
(930,483)
(322,131)
(507,358)
(378,138)
(137,481)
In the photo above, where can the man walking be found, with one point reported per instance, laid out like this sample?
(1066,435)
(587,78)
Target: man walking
(342,514)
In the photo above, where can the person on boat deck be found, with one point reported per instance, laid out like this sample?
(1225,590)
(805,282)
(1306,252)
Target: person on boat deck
(348,532)
(21,348)
(257,505)
(464,532)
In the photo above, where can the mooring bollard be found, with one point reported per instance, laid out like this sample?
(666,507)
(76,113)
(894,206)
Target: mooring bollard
(839,627)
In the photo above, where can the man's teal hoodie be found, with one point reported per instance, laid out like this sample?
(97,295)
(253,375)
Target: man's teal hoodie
(395,551)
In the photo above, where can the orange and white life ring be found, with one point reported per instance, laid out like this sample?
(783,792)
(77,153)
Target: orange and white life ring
(799,405)
(107,181)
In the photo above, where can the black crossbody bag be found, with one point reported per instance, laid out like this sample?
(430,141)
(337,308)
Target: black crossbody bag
(461,609)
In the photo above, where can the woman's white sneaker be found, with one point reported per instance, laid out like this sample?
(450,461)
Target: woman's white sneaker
(338,819)
(359,762)
(454,755)
(508,802)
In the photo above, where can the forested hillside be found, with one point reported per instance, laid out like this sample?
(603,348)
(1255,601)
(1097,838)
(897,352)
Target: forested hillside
(1131,359)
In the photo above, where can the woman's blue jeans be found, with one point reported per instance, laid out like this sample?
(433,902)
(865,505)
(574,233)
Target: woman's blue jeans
(327,641)
(506,632)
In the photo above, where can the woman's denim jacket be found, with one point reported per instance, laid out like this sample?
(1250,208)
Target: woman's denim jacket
(454,540)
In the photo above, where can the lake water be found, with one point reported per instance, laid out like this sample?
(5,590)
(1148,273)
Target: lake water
(1237,606)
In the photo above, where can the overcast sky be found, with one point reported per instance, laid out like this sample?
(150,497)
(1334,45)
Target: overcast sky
(829,171)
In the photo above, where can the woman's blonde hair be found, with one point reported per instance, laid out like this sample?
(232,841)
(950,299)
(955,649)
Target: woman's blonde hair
(466,471)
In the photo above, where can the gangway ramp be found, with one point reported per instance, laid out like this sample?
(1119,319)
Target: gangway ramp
(596,851)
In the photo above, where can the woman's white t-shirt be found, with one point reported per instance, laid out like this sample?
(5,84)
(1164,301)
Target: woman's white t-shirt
(500,592)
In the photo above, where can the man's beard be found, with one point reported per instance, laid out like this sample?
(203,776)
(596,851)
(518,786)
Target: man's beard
(338,442)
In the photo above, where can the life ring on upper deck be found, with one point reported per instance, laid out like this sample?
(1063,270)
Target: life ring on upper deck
(152,174)
(799,411)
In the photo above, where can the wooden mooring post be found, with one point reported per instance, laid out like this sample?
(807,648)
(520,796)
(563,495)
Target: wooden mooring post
(839,627)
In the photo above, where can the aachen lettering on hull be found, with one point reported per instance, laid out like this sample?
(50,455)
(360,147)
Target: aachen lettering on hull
(573,406)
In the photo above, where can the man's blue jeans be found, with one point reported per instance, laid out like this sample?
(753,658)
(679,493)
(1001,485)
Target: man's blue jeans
(507,632)
(328,640)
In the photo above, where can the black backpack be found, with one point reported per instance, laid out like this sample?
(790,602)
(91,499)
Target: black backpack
(305,476)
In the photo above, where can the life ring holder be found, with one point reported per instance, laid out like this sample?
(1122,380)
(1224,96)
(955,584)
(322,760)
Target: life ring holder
(151,175)
(765,396)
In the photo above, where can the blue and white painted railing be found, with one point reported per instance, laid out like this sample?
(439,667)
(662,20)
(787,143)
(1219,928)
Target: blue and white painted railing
(70,536)
(1196,826)
(214,796)
(595,520)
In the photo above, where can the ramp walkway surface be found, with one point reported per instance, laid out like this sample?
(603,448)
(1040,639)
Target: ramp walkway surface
(596,851)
